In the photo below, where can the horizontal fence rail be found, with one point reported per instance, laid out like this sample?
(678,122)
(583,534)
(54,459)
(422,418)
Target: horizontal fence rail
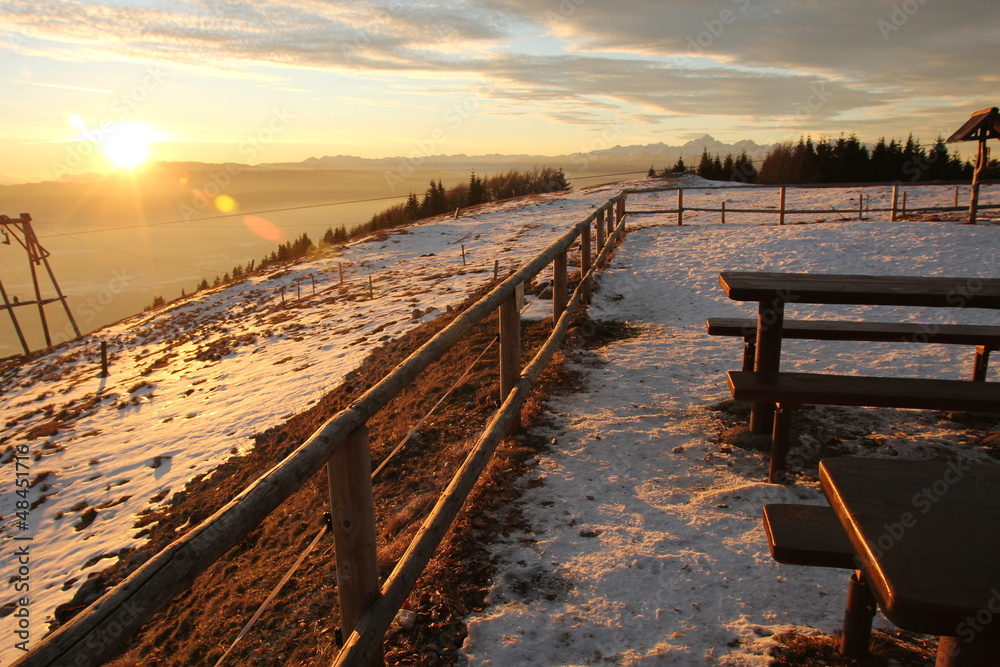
(897,210)
(94,635)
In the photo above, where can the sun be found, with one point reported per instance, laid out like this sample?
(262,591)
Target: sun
(127,144)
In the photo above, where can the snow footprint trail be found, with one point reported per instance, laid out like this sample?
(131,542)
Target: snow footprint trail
(646,546)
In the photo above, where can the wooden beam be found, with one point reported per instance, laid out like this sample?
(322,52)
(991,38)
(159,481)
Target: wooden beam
(353,510)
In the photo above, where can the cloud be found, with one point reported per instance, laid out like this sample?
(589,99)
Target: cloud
(773,63)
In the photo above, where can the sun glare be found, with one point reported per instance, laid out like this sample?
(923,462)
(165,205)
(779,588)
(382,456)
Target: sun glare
(127,144)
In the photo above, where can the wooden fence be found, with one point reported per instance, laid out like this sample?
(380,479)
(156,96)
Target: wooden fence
(897,210)
(341,445)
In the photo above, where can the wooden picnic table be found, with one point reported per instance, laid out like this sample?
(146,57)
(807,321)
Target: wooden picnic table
(773,290)
(927,537)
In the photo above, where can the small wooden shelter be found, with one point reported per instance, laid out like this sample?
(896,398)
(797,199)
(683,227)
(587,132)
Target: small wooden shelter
(982,126)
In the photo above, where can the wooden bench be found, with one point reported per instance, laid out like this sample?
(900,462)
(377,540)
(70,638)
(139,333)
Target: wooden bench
(788,391)
(812,535)
(807,535)
(984,339)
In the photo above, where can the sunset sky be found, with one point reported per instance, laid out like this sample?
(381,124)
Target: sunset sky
(92,85)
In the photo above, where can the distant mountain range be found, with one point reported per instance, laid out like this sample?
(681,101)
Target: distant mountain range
(603,161)
(633,157)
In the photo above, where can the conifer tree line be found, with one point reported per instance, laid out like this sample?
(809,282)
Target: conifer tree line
(844,160)
(436,200)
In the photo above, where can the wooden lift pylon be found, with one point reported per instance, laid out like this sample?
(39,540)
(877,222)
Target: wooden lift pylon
(22,232)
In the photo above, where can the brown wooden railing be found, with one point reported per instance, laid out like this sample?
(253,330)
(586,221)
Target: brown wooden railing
(341,445)
(897,210)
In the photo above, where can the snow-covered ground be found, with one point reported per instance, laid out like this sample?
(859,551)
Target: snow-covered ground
(191,384)
(646,544)
(677,567)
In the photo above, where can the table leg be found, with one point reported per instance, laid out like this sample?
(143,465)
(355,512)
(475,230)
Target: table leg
(858,618)
(959,652)
(770,318)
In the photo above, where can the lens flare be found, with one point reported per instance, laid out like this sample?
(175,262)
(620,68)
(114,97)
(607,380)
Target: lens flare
(225,204)
(264,228)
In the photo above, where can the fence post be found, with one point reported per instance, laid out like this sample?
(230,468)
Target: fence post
(781,207)
(559,296)
(680,206)
(104,359)
(620,213)
(895,204)
(723,211)
(601,236)
(510,348)
(353,510)
(956,197)
(903,213)
(585,262)
(861,206)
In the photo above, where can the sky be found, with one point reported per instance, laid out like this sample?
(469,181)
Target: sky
(92,86)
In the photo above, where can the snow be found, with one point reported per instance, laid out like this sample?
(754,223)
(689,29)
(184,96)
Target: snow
(648,545)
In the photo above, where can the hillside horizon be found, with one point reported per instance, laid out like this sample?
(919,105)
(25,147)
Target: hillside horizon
(423,159)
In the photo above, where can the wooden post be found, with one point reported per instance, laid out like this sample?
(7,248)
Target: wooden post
(283,297)
(956,197)
(463,255)
(680,206)
(371,289)
(601,239)
(903,213)
(723,211)
(585,261)
(559,295)
(895,204)
(312,279)
(104,359)
(982,157)
(620,215)
(340,265)
(510,346)
(353,510)
(298,291)
(781,207)
(861,206)
(496,270)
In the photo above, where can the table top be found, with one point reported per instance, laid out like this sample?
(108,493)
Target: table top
(927,534)
(949,292)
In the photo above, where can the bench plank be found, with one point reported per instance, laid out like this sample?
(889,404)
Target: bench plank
(890,332)
(807,535)
(861,390)
(984,338)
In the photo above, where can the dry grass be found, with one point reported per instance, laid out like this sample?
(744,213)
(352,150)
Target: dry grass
(301,627)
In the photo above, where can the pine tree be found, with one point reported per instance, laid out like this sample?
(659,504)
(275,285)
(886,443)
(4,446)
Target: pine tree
(412,207)
(476,191)
(706,166)
(728,171)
